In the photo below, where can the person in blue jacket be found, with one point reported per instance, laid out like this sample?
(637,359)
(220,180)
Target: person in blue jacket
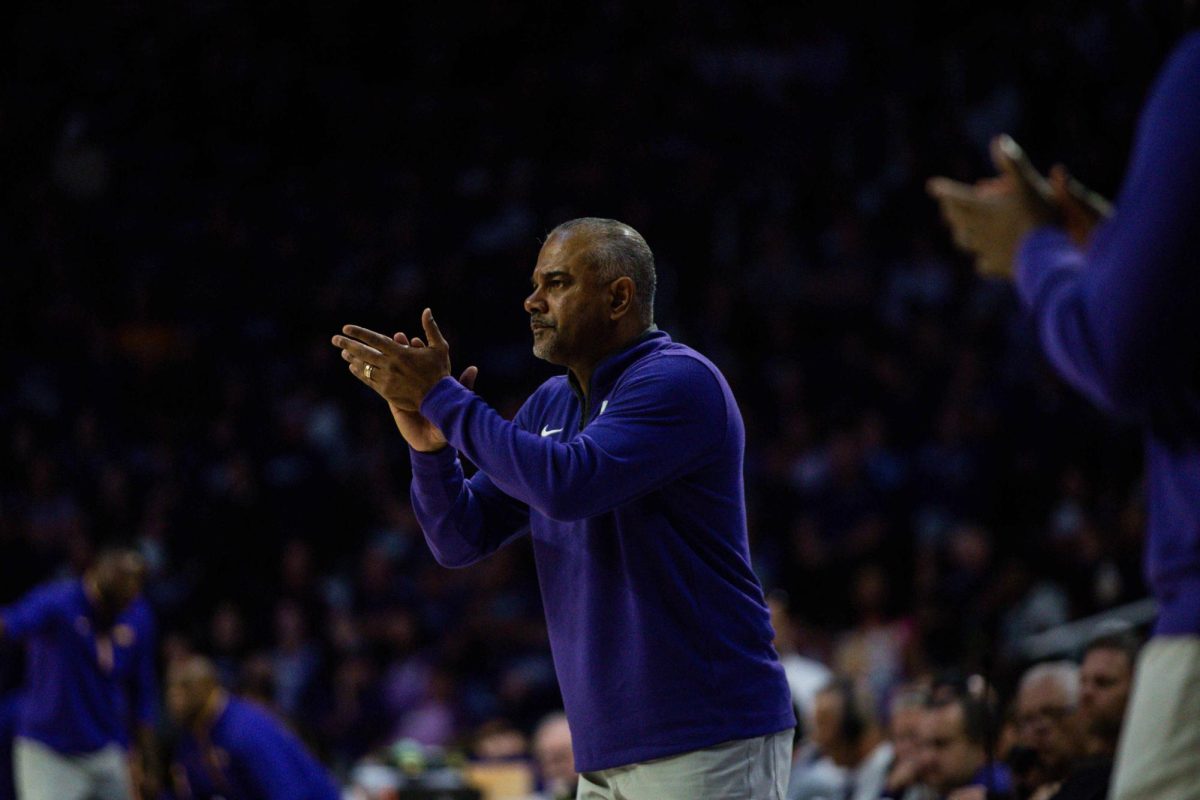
(232,749)
(1115,295)
(627,474)
(90,684)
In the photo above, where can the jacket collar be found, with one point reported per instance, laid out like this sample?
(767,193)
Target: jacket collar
(611,367)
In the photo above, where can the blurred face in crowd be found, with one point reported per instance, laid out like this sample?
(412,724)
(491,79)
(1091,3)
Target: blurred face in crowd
(556,760)
(948,758)
(1105,679)
(118,579)
(570,311)
(827,727)
(501,742)
(905,732)
(1046,724)
(191,684)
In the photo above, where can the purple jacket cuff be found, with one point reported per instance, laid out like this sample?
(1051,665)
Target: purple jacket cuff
(1040,249)
(435,400)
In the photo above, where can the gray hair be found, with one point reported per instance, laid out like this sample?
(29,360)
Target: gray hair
(1064,673)
(616,250)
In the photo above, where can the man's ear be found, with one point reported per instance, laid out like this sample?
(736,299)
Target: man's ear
(621,294)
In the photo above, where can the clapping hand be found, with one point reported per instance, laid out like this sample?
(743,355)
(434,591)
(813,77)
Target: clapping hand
(989,219)
(402,371)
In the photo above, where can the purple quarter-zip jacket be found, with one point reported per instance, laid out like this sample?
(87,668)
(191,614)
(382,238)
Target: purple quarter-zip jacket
(635,503)
(1121,322)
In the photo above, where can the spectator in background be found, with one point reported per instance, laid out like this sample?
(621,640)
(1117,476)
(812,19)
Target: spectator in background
(555,760)
(295,659)
(1105,678)
(955,758)
(875,649)
(805,676)
(90,658)
(227,640)
(499,740)
(846,729)
(432,720)
(1047,725)
(1105,682)
(231,748)
(904,732)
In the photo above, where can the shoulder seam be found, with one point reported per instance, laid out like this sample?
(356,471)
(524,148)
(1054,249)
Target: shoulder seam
(709,368)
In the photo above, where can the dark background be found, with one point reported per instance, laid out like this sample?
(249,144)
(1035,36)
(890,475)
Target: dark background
(196,196)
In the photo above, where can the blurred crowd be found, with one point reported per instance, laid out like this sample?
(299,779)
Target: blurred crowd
(196,197)
(954,737)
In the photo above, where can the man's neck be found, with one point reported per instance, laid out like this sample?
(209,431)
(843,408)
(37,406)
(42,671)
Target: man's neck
(583,372)
(582,376)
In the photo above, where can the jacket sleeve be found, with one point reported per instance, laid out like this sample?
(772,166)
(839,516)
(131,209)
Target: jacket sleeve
(33,613)
(660,423)
(1120,320)
(463,520)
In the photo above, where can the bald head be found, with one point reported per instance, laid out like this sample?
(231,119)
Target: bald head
(615,250)
(191,684)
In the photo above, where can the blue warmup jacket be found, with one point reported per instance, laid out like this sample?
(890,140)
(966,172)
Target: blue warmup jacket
(250,755)
(635,503)
(1121,323)
(72,703)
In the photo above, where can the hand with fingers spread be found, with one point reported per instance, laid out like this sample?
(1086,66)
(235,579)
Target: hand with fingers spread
(989,219)
(402,372)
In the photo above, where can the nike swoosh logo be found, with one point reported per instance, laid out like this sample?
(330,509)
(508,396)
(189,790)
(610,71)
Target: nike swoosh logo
(547,432)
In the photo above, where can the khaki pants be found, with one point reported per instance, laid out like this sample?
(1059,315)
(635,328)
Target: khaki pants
(744,769)
(45,774)
(1159,754)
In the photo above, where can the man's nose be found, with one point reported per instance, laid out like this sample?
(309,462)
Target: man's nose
(535,302)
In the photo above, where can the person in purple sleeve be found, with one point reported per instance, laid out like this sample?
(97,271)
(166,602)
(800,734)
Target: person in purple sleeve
(90,683)
(1115,295)
(627,474)
(232,749)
